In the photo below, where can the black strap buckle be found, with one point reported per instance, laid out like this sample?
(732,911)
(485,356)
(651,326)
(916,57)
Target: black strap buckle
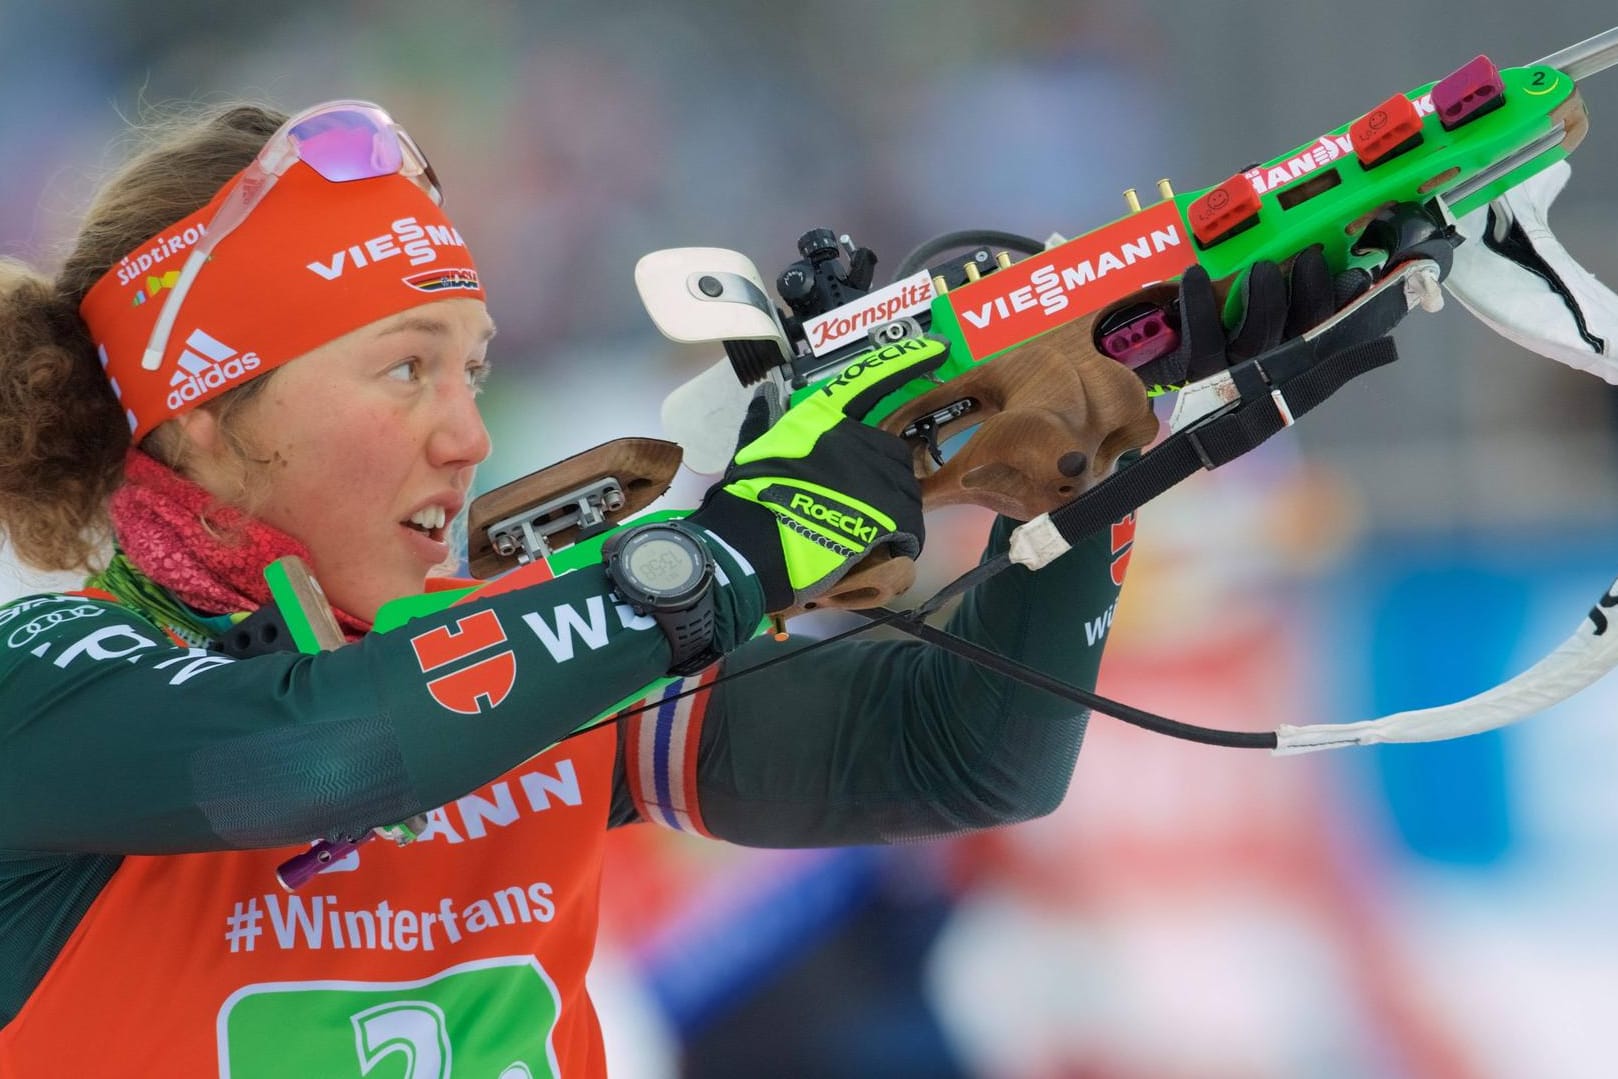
(1193,434)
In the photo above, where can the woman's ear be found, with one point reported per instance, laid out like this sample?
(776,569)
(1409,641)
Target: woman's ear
(200,449)
(203,439)
(200,429)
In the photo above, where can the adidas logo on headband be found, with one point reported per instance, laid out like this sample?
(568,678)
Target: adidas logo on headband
(206,363)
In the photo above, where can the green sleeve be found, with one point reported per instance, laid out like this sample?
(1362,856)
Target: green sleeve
(113,740)
(875,741)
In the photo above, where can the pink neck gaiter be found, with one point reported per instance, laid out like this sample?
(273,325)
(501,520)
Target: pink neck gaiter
(158,518)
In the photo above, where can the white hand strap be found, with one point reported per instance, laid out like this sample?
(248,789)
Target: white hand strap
(1520,304)
(1590,652)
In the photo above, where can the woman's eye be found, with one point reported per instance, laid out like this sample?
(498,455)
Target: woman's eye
(476,375)
(405,370)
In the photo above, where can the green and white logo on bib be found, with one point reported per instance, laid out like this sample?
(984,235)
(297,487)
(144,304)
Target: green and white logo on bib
(489,1019)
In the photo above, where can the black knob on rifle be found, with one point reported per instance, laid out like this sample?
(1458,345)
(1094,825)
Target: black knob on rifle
(796,284)
(818,245)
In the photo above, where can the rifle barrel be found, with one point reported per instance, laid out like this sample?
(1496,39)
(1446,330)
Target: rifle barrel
(1587,57)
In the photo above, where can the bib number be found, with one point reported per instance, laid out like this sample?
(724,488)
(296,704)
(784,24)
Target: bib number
(490,1019)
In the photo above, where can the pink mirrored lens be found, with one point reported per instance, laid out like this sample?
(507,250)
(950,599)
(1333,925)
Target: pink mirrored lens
(348,144)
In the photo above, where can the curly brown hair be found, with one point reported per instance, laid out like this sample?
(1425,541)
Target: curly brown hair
(63,435)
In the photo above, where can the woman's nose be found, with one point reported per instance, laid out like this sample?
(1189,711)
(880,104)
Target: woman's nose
(459,436)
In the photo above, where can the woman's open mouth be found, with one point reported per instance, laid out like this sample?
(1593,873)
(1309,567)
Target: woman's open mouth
(427,529)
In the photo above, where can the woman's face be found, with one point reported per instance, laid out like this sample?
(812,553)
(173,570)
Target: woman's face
(366,432)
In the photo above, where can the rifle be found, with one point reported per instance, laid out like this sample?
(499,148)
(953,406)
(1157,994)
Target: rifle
(1101,303)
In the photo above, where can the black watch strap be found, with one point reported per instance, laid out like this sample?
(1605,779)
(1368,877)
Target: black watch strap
(690,633)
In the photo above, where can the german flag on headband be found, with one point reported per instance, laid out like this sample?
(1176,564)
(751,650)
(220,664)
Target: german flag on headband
(313,261)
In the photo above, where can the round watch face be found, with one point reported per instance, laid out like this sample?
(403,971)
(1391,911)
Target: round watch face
(663,565)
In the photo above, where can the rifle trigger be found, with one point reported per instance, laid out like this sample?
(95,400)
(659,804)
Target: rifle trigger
(926,429)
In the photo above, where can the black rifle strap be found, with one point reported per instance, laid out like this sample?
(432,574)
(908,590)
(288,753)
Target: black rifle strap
(1021,672)
(1266,405)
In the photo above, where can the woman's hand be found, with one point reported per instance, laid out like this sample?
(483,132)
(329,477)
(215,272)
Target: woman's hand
(807,497)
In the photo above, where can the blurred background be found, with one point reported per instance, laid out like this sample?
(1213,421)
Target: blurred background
(1434,912)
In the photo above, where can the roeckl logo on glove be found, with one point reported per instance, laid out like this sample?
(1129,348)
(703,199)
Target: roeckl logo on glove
(489,679)
(844,519)
(851,523)
(876,359)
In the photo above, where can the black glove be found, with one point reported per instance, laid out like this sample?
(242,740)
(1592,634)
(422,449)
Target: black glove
(1278,307)
(1275,307)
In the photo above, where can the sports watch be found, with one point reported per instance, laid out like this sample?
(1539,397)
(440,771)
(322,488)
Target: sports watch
(665,571)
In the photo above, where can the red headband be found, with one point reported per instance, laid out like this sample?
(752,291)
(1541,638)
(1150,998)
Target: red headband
(313,261)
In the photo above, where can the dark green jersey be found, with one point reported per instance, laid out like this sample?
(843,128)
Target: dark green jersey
(115,741)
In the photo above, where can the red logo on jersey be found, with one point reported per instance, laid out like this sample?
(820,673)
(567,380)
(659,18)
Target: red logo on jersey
(1123,544)
(489,679)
